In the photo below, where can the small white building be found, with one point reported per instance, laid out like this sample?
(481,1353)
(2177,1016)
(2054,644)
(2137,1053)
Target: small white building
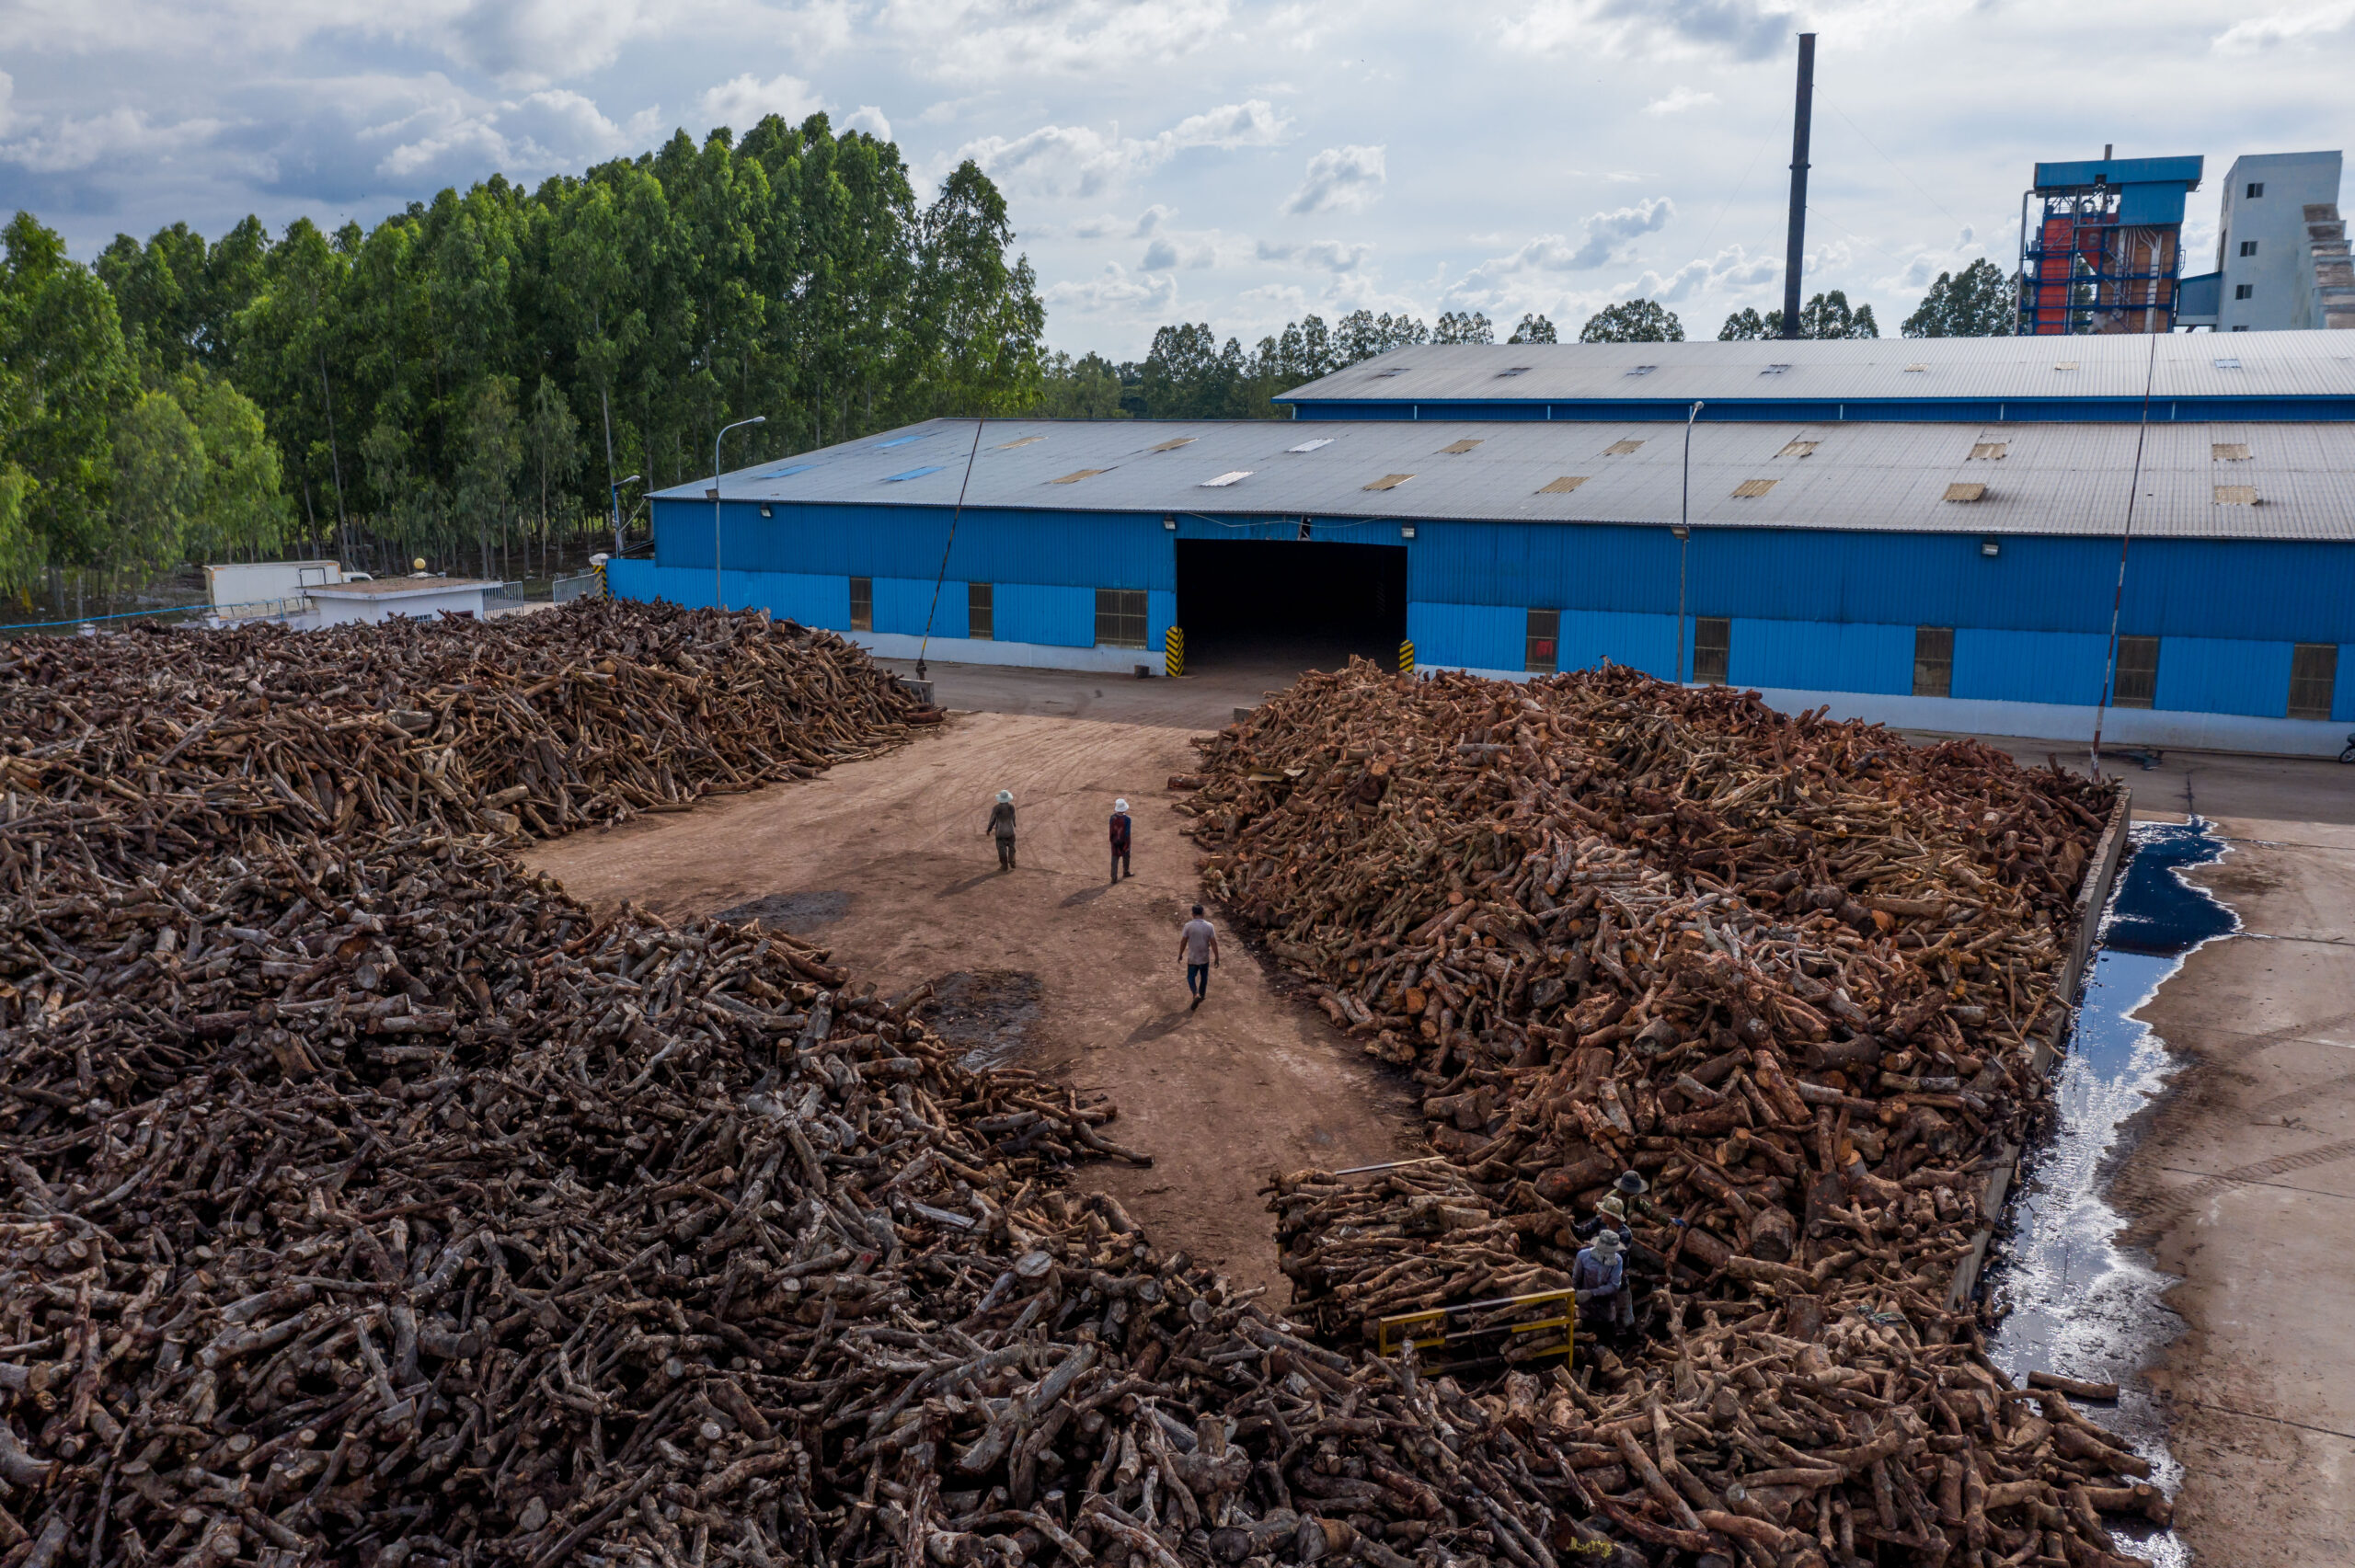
(380,598)
(2281,260)
(260,590)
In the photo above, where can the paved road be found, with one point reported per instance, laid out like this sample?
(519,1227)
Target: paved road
(2246,1186)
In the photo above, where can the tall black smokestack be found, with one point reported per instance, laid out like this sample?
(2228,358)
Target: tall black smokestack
(1797,242)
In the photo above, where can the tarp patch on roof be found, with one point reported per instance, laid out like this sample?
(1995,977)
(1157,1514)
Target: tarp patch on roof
(1082,474)
(1621,449)
(1172,445)
(1563,485)
(1018,440)
(1389,481)
(2236,495)
(1961,491)
(1751,489)
(1457,449)
(1799,449)
(1989,452)
(1225,479)
(2228,451)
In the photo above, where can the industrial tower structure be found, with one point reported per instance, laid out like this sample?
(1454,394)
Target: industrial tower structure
(2105,254)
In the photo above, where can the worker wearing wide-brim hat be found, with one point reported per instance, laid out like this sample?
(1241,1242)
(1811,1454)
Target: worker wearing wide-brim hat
(1121,829)
(1000,828)
(1599,1281)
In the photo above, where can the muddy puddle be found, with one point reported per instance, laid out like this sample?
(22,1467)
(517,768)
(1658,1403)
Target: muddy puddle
(2076,1303)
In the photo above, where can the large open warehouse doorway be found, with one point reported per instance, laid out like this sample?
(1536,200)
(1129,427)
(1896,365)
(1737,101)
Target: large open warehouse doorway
(1308,604)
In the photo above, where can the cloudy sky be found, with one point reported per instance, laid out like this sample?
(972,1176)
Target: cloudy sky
(1211,160)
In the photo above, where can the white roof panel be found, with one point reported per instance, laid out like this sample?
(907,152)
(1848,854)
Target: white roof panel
(2063,478)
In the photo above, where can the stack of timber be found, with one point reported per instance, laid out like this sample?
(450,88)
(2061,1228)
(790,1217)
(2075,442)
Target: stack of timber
(528,725)
(1794,973)
(370,1200)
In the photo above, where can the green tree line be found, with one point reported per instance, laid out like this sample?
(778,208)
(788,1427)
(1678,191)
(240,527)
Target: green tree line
(473,371)
(1187,375)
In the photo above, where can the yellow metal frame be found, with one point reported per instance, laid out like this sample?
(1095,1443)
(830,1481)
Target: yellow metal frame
(1394,1332)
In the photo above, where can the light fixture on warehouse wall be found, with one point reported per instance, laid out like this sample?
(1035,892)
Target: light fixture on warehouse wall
(767,511)
(1406,531)
(1990,545)
(1170,523)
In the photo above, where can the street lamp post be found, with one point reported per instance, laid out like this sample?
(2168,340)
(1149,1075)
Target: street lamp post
(615,491)
(718,597)
(1684,539)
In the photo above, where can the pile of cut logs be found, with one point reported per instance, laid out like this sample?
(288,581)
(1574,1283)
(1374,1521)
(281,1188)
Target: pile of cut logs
(373,1202)
(1793,973)
(528,725)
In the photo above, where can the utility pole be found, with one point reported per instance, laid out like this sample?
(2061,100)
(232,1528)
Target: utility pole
(718,597)
(1796,245)
(1683,538)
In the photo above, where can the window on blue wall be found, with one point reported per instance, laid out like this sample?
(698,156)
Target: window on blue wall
(1120,617)
(1934,662)
(862,604)
(1543,654)
(981,612)
(2137,685)
(1712,650)
(2314,678)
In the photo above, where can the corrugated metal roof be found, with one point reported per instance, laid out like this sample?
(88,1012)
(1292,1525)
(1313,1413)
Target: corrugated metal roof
(2271,364)
(2053,478)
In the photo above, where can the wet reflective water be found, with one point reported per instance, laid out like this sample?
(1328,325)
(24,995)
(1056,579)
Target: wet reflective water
(2078,1304)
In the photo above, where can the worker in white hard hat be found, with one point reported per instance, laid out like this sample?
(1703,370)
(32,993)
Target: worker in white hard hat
(1120,826)
(1000,828)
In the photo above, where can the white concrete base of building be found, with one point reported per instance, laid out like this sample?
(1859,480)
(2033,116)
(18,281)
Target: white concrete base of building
(1028,656)
(2157,728)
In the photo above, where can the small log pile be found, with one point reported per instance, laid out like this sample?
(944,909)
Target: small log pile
(528,726)
(1792,972)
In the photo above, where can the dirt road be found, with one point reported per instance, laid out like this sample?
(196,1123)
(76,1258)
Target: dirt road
(884,861)
(2244,1185)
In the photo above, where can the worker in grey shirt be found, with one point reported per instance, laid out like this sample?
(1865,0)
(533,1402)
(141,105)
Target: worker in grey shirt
(1599,1278)
(1000,828)
(1197,944)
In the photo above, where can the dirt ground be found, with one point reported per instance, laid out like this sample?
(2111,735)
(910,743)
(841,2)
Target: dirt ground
(2244,1185)
(1050,965)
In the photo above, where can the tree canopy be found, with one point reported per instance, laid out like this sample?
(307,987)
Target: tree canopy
(477,362)
(1633,321)
(1189,374)
(1826,315)
(1977,302)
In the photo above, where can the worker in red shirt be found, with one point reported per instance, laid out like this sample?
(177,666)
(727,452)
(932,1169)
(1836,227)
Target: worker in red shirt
(1120,840)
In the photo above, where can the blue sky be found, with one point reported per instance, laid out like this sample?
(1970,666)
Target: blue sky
(1210,160)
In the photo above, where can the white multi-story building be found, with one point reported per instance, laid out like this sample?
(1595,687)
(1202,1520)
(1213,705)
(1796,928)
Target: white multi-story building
(2281,259)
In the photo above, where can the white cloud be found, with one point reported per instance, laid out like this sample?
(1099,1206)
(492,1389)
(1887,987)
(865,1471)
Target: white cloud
(2311,25)
(1333,256)
(1678,100)
(1079,160)
(1743,29)
(741,102)
(1340,179)
(994,40)
(1601,238)
(68,145)
(1114,290)
(443,134)
(869,118)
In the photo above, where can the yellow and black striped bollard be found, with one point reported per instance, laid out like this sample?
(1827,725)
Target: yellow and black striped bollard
(1173,650)
(1405,658)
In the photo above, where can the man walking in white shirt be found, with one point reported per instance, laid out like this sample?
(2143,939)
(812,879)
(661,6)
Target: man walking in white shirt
(1197,944)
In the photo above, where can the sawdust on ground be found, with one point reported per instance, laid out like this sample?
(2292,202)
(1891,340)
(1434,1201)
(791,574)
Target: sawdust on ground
(1051,966)
(2244,1185)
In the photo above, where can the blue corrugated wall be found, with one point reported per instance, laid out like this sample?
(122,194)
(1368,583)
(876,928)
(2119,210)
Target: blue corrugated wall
(1813,610)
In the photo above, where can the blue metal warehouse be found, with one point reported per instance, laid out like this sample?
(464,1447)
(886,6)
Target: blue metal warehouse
(1925,531)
